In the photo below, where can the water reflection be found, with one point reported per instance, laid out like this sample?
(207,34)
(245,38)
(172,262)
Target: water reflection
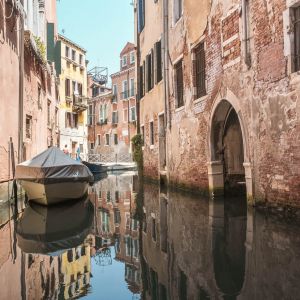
(137,241)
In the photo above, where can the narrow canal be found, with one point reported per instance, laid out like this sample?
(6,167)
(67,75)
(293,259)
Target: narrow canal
(138,241)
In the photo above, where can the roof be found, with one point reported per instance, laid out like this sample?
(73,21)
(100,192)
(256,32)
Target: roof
(66,40)
(128,47)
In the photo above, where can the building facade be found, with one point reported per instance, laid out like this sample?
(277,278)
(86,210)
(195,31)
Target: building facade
(232,88)
(113,113)
(29,87)
(71,69)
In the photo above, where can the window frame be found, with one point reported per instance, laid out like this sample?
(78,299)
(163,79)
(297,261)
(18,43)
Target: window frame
(199,70)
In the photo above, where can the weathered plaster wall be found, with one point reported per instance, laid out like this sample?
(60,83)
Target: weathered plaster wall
(152,104)
(9,85)
(266,95)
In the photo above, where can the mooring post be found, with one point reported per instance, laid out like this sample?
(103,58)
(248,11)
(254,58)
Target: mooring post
(15,187)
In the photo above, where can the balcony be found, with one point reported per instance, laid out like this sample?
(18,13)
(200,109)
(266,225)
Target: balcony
(79,103)
(127,94)
(102,122)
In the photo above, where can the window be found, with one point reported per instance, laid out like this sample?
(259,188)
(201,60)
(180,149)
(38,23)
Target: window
(115,117)
(67,88)
(124,61)
(132,57)
(143,133)
(125,115)
(73,55)
(179,83)
(142,81)
(199,65)
(92,146)
(56,116)
(90,115)
(116,139)
(67,51)
(297,39)
(28,126)
(80,59)
(158,62)
(132,114)
(99,139)
(115,94)
(151,133)
(132,87)
(149,66)
(39,96)
(177,10)
(79,88)
(71,120)
(48,112)
(125,89)
(107,139)
(141,15)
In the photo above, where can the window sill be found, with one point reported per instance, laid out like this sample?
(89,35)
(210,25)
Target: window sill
(202,98)
(179,109)
(151,147)
(143,148)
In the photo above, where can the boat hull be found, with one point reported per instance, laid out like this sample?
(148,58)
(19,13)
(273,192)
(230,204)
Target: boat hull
(54,193)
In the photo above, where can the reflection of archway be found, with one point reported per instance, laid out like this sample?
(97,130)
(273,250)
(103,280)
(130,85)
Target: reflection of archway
(229,164)
(229,233)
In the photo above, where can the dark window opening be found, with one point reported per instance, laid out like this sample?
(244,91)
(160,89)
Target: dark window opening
(158,62)
(151,133)
(297,39)
(200,70)
(179,83)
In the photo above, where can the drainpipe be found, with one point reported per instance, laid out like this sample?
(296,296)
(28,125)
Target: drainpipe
(138,61)
(246,32)
(165,48)
(21,87)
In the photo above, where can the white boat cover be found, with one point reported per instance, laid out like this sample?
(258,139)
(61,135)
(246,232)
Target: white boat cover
(52,166)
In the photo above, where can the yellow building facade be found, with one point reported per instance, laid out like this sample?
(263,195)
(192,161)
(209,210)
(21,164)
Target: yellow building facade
(72,70)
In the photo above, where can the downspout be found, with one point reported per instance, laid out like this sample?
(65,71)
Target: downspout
(165,48)
(137,65)
(21,87)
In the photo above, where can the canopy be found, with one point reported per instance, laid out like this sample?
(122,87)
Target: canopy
(51,166)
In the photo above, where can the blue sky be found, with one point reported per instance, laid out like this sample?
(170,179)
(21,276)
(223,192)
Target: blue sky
(102,27)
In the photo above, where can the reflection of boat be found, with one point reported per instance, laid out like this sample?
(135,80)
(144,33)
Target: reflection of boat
(52,177)
(95,168)
(53,229)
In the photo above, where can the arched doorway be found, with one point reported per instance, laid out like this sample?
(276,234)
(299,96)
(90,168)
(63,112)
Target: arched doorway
(229,168)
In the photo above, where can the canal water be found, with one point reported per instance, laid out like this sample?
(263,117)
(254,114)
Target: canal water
(129,240)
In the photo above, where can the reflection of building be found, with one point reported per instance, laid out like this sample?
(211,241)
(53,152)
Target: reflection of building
(116,201)
(75,271)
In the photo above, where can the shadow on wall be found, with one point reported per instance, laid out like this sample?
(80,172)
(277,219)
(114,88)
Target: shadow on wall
(8,16)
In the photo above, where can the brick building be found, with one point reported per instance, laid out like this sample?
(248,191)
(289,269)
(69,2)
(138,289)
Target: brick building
(231,97)
(112,121)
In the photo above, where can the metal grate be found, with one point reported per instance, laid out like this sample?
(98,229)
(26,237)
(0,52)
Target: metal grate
(179,83)
(200,70)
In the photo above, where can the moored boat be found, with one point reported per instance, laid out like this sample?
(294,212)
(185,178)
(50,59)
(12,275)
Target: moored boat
(53,177)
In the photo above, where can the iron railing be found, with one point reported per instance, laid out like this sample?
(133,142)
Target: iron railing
(110,158)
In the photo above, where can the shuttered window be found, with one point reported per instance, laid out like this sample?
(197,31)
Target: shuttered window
(179,83)
(158,62)
(297,38)
(199,66)
(67,88)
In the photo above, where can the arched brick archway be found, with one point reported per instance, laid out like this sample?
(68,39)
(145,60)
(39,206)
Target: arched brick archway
(228,146)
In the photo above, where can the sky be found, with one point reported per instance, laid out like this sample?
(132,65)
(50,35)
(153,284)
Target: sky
(102,27)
